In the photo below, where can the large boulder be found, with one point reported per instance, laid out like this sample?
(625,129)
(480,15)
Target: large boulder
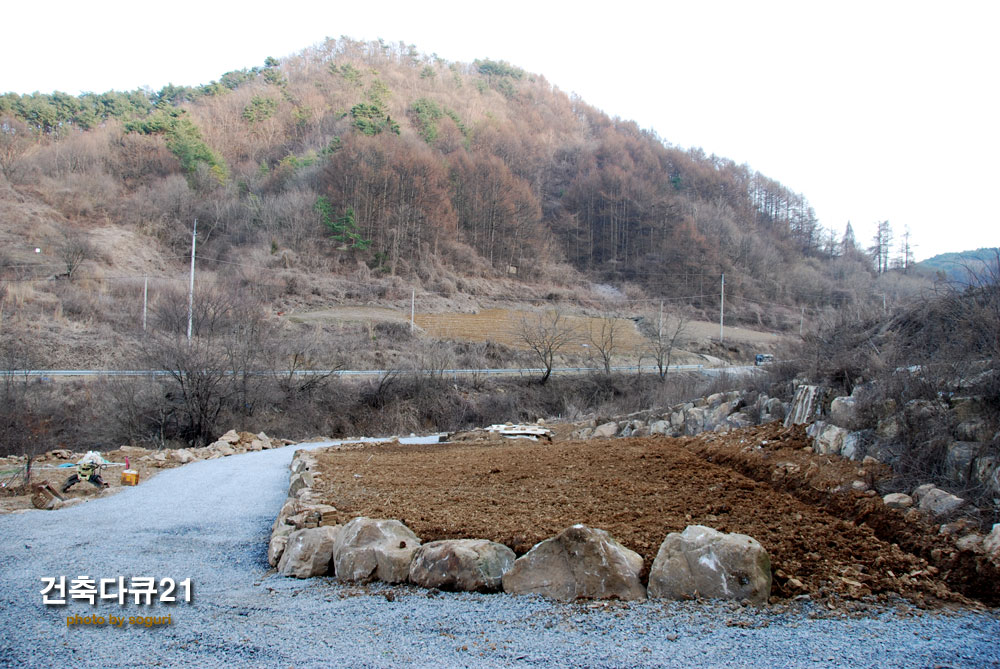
(844,412)
(578,563)
(854,445)
(369,548)
(958,461)
(738,420)
(300,480)
(974,429)
(938,502)
(805,405)
(231,437)
(605,431)
(461,564)
(694,421)
(987,473)
(717,415)
(660,427)
(830,441)
(276,546)
(991,544)
(183,456)
(774,408)
(703,562)
(307,552)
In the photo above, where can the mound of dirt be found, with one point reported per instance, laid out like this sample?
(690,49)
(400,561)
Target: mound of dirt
(519,493)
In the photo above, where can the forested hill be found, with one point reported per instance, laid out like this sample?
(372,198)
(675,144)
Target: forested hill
(958,266)
(373,154)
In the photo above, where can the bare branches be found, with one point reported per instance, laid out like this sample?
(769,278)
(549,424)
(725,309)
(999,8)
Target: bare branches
(546,334)
(602,337)
(74,251)
(670,330)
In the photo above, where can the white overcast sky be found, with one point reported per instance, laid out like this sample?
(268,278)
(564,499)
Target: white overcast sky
(872,110)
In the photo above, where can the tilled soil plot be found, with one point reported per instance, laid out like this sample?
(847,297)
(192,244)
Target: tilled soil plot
(520,492)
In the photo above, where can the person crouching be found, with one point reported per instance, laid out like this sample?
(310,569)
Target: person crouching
(87,469)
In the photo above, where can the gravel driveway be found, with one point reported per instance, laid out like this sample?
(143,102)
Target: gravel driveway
(209,521)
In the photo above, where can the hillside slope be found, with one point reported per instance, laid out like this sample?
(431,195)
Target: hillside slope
(373,161)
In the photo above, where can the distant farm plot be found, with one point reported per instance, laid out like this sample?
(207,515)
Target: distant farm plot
(503,326)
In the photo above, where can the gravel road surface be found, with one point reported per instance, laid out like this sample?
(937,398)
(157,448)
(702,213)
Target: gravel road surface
(209,521)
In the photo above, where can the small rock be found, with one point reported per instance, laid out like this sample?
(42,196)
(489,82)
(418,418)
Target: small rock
(897,500)
(970,542)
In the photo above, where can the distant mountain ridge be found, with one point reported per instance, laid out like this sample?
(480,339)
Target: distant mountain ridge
(956,266)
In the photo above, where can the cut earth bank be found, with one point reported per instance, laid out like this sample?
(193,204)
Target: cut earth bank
(825,540)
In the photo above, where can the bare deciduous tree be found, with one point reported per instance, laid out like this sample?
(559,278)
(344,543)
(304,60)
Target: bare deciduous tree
(604,335)
(24,425)
(669,332)
(223,368)
(546,334)
(74,251)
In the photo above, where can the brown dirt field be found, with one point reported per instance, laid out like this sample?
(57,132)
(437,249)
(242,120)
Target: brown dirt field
(639,489)
(501,326)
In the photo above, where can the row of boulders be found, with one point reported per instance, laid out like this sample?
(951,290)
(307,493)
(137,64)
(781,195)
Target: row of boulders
(719,412)
(231,443)
(578,563)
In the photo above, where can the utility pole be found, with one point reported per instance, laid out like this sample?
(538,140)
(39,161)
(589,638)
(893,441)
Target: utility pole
(722,307)
(659,329)
(194,238)
(802,319)
(145,299)
(413,306)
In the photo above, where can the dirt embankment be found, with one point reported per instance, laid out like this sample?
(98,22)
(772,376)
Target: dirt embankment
(640,489)
(774,455)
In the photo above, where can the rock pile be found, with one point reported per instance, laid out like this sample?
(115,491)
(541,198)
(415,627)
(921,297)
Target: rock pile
(719,412)
(497,433)
(231,443)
